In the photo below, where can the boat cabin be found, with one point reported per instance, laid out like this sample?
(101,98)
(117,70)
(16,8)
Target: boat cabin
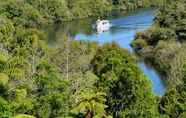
(102,25)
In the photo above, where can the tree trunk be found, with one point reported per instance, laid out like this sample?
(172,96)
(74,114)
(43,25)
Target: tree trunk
(89,114)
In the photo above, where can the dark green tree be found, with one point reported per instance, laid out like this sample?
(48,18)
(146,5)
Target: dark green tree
(128,90)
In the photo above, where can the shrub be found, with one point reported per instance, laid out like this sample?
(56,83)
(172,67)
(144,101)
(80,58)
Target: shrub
(139,44)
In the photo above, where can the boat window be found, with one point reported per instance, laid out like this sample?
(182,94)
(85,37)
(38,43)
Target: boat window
(104,23)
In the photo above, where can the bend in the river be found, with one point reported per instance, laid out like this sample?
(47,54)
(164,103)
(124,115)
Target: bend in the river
(123,30)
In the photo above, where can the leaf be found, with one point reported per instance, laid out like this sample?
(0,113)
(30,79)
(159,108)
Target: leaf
(3,78)
(3,57)
(24,116)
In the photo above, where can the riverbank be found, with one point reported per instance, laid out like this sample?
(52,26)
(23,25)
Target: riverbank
(164,46)
(123,31)
(94,76)
(65,10)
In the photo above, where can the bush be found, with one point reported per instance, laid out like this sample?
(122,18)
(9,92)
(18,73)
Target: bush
(162,34)
(139,44)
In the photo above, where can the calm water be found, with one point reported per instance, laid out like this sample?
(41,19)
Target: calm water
(123,30)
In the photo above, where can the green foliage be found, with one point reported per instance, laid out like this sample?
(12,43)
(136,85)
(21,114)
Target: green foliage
(154,35)
(139,44)
(82,81)
(32,13)
(6,31)
(101,80)
(90,103)
(134,4)
(128,90)
(164,53)
(173,103)
(21,13)
(183,115)
(3,57)
(166,50)
(62,10)
(52,96)
(3,78)
(82,8)
(53,10)
(5,111)
(173,16)
(165,41)
(79,53)
(23,116)
(87,99)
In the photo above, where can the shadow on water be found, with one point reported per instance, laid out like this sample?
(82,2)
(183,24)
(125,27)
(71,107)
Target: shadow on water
(123,30)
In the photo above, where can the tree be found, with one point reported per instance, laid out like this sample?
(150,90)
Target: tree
(90,104)
(52,92)
(173,102)
(129,92)
(21,13)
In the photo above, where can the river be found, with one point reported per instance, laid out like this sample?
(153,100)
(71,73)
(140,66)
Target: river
(123,30)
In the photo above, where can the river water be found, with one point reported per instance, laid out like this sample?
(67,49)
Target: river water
(123,30)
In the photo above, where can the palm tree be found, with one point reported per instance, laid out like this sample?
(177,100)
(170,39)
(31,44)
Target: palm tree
(90,103)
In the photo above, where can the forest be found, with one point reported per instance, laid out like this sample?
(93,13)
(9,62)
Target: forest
(102,81)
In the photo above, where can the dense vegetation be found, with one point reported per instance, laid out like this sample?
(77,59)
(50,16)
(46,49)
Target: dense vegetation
(164,46)
(84,80)
(39,11)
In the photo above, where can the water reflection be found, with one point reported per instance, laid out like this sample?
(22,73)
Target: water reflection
(158,86)
(123,30)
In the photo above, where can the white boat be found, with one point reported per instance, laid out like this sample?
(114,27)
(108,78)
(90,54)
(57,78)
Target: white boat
(102,25)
